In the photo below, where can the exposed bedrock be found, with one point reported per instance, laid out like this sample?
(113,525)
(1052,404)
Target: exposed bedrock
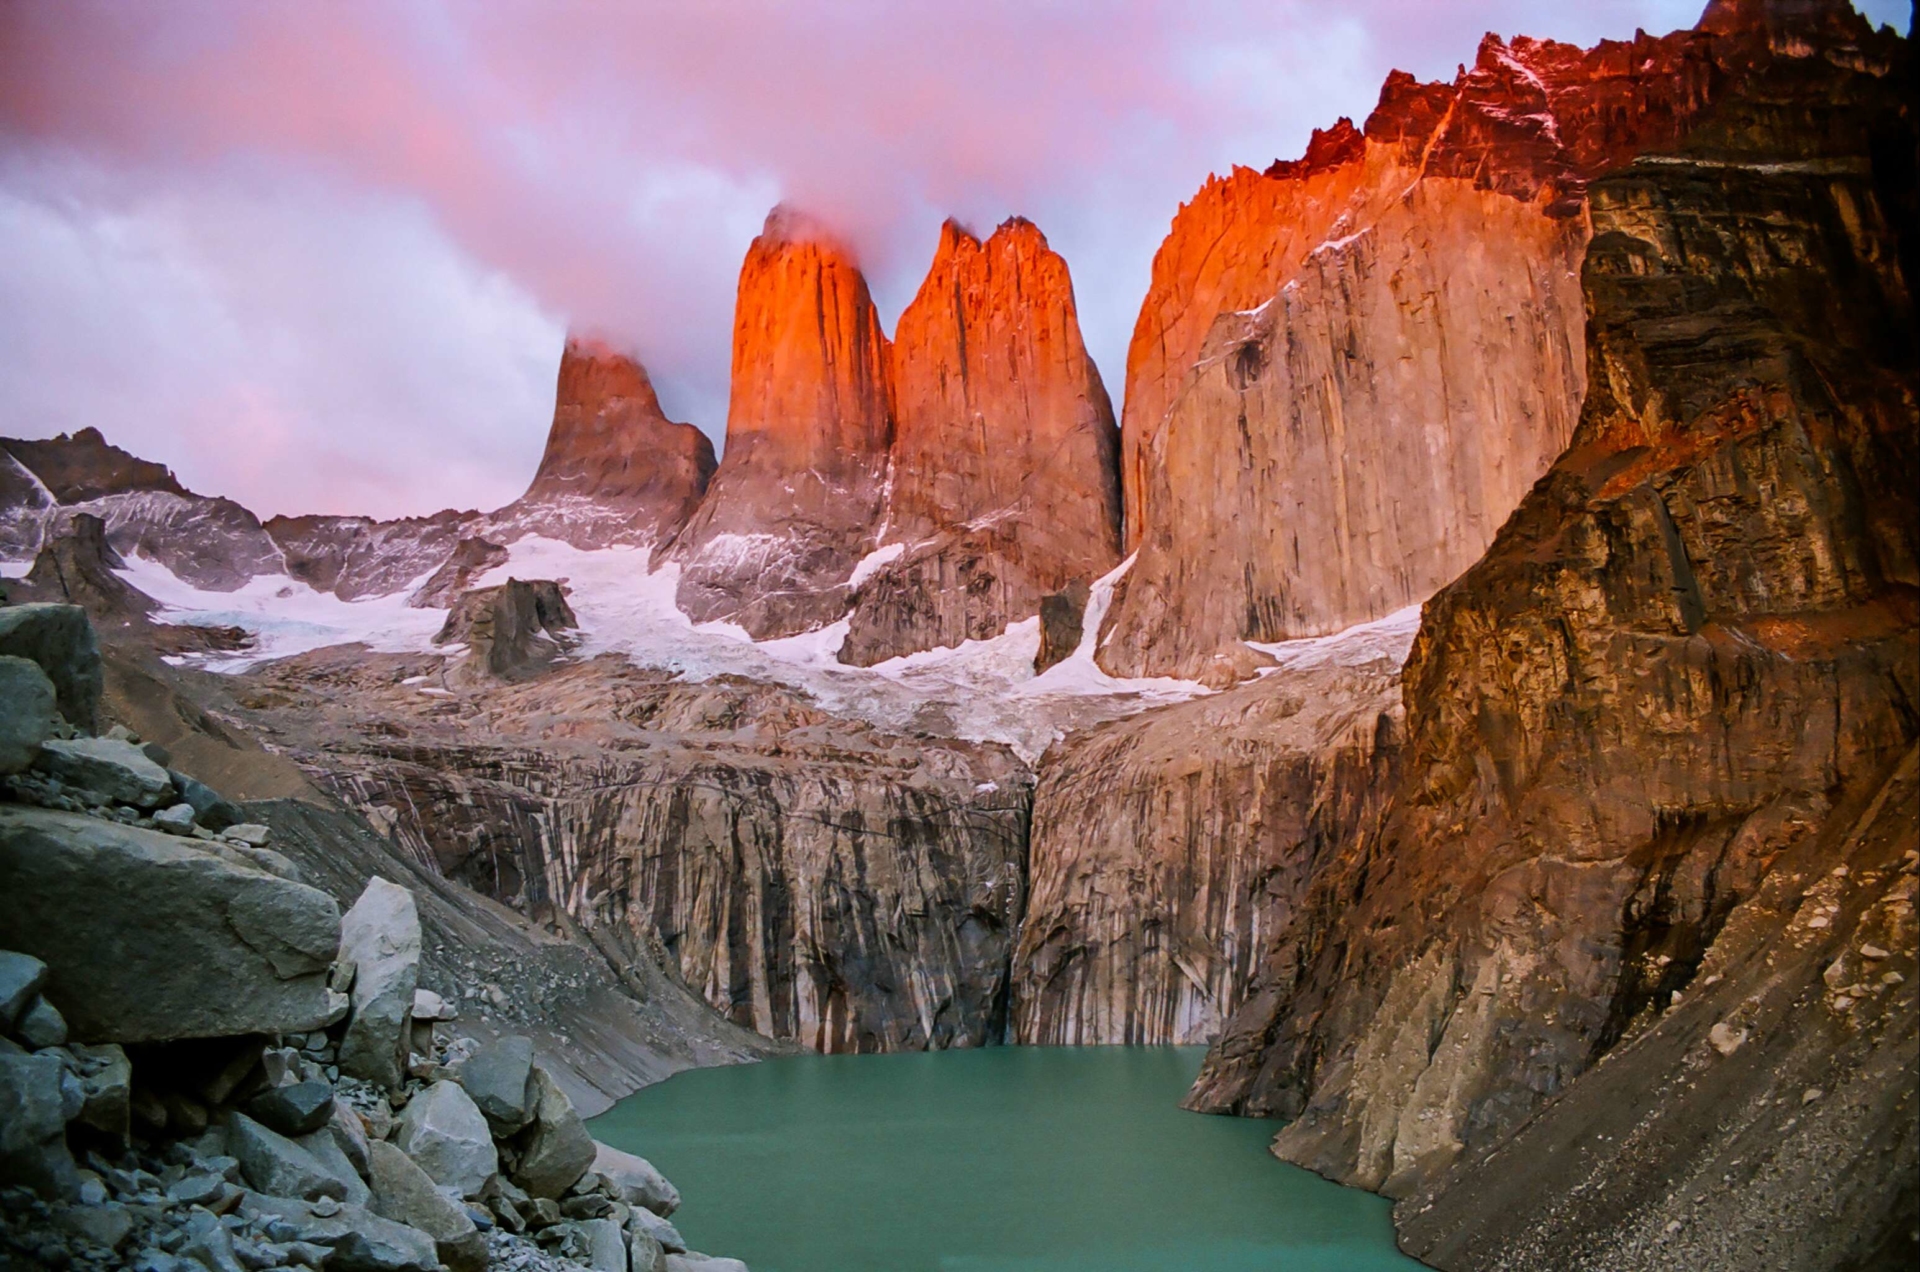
(615,469)
(809,877)
(1169,849)
(1315,433)
(799,493)
(1646,880)
(1006,485)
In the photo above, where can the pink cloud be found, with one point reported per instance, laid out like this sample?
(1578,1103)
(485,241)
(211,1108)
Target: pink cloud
(607,164)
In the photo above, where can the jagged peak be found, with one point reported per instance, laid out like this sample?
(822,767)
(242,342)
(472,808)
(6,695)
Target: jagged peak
(1327,148)
(1732,17)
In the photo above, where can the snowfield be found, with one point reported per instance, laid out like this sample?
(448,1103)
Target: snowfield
(983,691)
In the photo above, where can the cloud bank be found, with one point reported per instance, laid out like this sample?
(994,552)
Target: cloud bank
(321,257)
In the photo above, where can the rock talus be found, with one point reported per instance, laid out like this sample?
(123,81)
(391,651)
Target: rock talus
(1005,481)
(799,493)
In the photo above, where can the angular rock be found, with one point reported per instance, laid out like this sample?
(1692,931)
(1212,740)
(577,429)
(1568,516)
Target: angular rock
(1062,618)
(250,834)
(107,1225)
(41,1025)
(76,564)
(21,977)
(692,1262)
(657,1229)
(114,771)
(107,1089)
(429,1006)
(61,640)
(556,1149)
(28,716)
(606,1245)
(446,1135)
(405,1193)
(380,935)
(644,1254)
(499,1077)
(209,808)
(297,1108)
(276,1165)
(360,1240)
(513,630)
(635,1181)
(33,1125)
(149,938)
(177,820)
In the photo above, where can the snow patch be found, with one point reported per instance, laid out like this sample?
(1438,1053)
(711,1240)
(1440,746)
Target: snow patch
(1384,638)
(874,562)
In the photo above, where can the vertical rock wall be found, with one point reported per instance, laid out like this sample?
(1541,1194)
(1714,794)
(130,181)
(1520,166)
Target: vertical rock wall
(799,493)
(1005,485)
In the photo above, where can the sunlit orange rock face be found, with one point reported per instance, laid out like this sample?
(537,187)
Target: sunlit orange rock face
(1349,368)
(615,466)
(1005,482)
(798,495)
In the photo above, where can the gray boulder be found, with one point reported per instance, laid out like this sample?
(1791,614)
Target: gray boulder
(298,1108)
(635,1180)
(177,820)
(556,1149)
(28,716)
(60,639)
(42,1025)
(326,1150)
(149,938)
(444,1133)
(252,834)
(658,1229)
(360,1241)
(606,1245)
(21,976)
(106,1087)
(692,1262)
(275,1164)
(644,1253)
(499,1077)
(33,1125)
(112,771)
(406,1194)
(380,935)
(209,808)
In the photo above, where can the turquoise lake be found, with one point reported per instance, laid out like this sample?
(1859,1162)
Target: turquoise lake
(1005,1159)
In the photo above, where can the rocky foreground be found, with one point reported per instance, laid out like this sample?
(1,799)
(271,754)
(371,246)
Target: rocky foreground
(236,1074)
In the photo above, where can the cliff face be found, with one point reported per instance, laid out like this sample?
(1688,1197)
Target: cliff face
(811,878)
(615,468)
(1005,481)
(798,495)
(1169,848)
(1660,741)
(1314,435)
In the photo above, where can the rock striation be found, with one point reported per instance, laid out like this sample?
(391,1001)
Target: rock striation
(1005,484)
(811,878)
(1168,849)
(615,469)
(1311,437)
(1653,815)
(800,492)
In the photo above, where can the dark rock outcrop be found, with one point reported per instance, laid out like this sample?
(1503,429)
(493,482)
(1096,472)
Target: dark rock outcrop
(85,466)
(471,558)
(77,568)
(513,630)
(1652,857)
(799,492)
(1005,481)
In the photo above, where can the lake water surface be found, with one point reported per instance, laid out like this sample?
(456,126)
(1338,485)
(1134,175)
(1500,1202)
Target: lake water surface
(1005,1159)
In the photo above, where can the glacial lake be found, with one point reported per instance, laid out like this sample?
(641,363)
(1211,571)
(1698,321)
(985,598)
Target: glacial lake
(1004,1159)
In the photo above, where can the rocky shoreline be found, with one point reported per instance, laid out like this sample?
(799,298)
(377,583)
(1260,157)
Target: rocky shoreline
(271,1088)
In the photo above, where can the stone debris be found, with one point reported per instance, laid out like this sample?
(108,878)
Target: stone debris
(266,1119)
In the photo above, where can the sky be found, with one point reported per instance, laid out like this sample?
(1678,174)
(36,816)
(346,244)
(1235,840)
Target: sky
(323,257)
